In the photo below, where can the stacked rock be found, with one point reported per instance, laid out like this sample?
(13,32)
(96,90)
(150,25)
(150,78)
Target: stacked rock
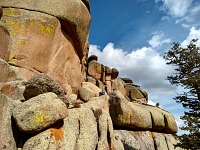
(52,96)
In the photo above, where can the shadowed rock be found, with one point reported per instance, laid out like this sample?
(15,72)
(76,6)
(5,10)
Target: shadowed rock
(40,84)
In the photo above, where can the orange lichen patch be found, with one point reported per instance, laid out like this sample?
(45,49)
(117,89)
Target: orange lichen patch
(132,133)
(57,133)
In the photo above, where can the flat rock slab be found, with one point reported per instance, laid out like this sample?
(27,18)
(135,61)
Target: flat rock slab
(39,112)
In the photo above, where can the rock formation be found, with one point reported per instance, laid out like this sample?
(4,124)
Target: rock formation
(53,97)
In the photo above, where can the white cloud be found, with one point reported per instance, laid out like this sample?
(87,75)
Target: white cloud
(145,66)
(165,18)
(176,8)
(193,34)
(158,40)
(150,102)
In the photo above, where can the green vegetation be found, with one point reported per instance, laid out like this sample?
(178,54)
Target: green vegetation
(187,74)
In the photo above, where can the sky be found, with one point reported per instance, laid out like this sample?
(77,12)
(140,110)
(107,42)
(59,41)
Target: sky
(133,35)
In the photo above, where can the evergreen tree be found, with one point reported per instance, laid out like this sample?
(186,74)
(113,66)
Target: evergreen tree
(187,74)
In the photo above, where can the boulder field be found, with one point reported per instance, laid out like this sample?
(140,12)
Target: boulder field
(54,97)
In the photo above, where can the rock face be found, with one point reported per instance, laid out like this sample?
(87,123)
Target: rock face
(7,140)
(53,97)
(140,116)
(29,33)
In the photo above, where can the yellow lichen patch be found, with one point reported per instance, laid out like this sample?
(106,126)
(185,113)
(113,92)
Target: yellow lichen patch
(17,44)
(58,134)
(12,56)
(47,29)
(40,119)
(125,118)
(11,12)
(12,63)
(14,27)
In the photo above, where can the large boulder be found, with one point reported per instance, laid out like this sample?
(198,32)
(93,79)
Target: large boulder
(7,141)
(94,69)
(74,14)
(78,131)
(137,116)
(119,85)
(39,112)
(28,37)
(88,91)
(114,74)
(135,93)
(40,84)
(128,114)
(95,103)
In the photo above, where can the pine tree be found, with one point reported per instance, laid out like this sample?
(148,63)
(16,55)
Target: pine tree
(187,74)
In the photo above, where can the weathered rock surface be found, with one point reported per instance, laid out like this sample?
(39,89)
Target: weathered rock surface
(13,89)
(127,114)
(88,90)
(105,130)
(26,28)
(94,69)
(92,57)
(40,84)
(125,140)
(136,93)
(49,39)
(39,112)
(119,85)
(79,131)
(114,74)
(70,11)
(160,141)
(7,141)
(8,73)
(96,103)
(171,142)
(138,116)
(91,80)
(11,81)
(127,80)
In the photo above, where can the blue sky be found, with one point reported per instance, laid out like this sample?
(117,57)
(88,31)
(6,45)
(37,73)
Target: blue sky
(132,36)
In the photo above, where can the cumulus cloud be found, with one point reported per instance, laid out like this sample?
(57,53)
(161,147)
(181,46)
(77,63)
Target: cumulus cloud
(193,34)
(186,12)
(145,66)
(176,8)
(158,40)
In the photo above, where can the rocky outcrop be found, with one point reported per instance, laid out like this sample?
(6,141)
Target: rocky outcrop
(52,96)
(139,116)
(29,30)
